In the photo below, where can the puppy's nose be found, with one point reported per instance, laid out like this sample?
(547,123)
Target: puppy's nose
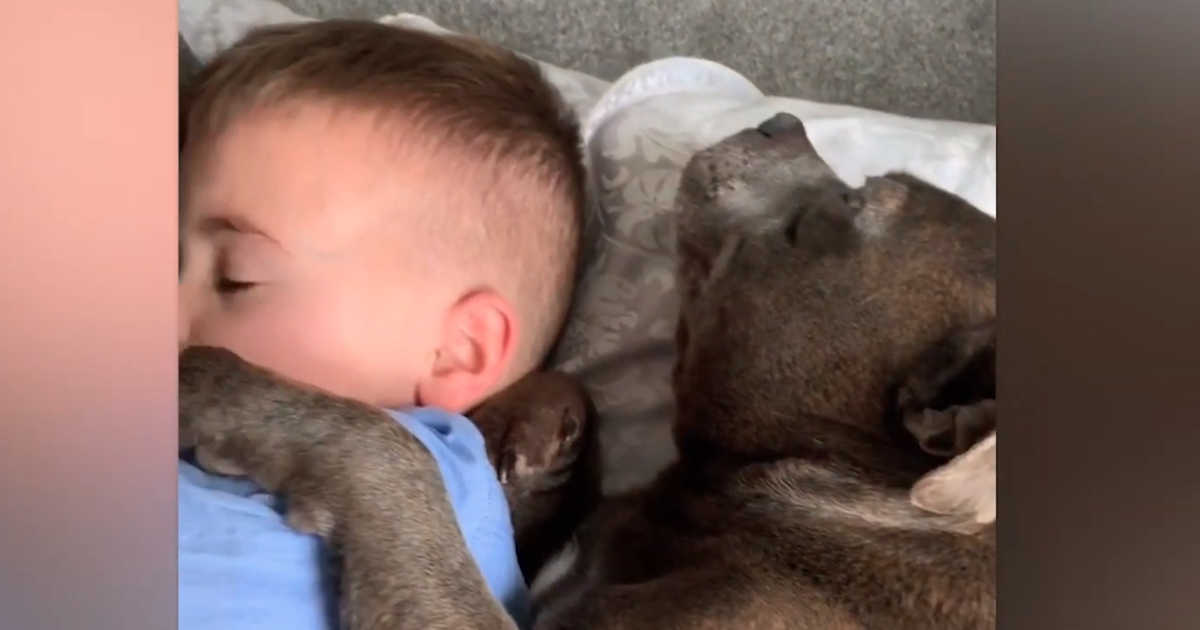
(780,125)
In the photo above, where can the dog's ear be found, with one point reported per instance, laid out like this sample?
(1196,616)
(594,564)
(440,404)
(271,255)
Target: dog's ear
(701,260)
(948,401)
(964,487)
(950,432)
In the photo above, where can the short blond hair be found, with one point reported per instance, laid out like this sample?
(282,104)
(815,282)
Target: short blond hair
(520,142)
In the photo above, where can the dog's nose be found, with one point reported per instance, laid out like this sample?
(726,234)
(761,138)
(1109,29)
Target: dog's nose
(779,125)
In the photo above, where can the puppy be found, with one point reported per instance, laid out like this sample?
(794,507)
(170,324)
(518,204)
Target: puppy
(355,477)
(835,346)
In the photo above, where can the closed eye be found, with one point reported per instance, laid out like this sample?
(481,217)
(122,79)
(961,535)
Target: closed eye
(792,229)
(225,286)
(223,283)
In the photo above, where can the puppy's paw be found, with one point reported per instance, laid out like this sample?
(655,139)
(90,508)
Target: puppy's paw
(204,373)
(965,487)
(320,451)
(952,431)
(534,430)
(209,459)
(228,413)
(310,508)
(350,474)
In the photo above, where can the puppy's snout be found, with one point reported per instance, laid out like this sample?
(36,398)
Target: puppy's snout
(780,125)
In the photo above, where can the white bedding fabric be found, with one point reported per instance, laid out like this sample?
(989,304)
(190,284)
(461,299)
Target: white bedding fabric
(705,101)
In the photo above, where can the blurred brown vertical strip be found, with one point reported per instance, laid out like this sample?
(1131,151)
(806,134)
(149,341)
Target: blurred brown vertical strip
(1099,363)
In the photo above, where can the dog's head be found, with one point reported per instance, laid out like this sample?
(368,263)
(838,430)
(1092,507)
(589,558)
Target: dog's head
(809,306)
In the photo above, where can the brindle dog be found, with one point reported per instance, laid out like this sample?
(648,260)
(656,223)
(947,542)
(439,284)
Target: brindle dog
(835,344)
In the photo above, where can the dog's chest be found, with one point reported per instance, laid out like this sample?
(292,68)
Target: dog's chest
(562,583)
(556,573)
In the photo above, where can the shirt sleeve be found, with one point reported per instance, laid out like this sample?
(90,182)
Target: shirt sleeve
(242,568)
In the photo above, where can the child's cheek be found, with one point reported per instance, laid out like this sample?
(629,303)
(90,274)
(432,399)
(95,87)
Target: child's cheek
(298,340)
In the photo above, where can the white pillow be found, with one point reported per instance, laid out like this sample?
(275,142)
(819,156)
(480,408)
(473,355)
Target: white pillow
(210,26)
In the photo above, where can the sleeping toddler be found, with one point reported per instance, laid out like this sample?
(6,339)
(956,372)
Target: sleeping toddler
(386,214)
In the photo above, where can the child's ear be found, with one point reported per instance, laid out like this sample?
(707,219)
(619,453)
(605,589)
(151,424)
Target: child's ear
(478,340)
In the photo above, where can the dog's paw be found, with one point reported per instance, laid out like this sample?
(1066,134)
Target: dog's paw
(211,380)
(311,506)
(316,449)
(208,458)
(534,430)
(952,431)
(541,447)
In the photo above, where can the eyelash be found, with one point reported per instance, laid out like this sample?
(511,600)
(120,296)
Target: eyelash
(225,285)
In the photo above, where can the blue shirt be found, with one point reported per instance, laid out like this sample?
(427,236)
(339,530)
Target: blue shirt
(242,568)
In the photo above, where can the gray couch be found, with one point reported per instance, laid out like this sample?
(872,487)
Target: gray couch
(926,58)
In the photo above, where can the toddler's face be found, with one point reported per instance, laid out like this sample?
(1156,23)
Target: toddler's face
(288,260)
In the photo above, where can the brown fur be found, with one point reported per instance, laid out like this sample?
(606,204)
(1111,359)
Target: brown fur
(354,476)
(540,437)
(815,319)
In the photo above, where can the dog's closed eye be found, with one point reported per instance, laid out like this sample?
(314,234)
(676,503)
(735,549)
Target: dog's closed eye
(792,228)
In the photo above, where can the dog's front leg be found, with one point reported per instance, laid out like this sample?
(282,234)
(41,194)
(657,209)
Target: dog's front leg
(540,437)
(351,475)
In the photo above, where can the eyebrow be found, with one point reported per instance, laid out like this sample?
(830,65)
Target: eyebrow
(231,223)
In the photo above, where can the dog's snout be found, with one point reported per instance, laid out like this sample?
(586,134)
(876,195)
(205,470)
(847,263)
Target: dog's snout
(779,125)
